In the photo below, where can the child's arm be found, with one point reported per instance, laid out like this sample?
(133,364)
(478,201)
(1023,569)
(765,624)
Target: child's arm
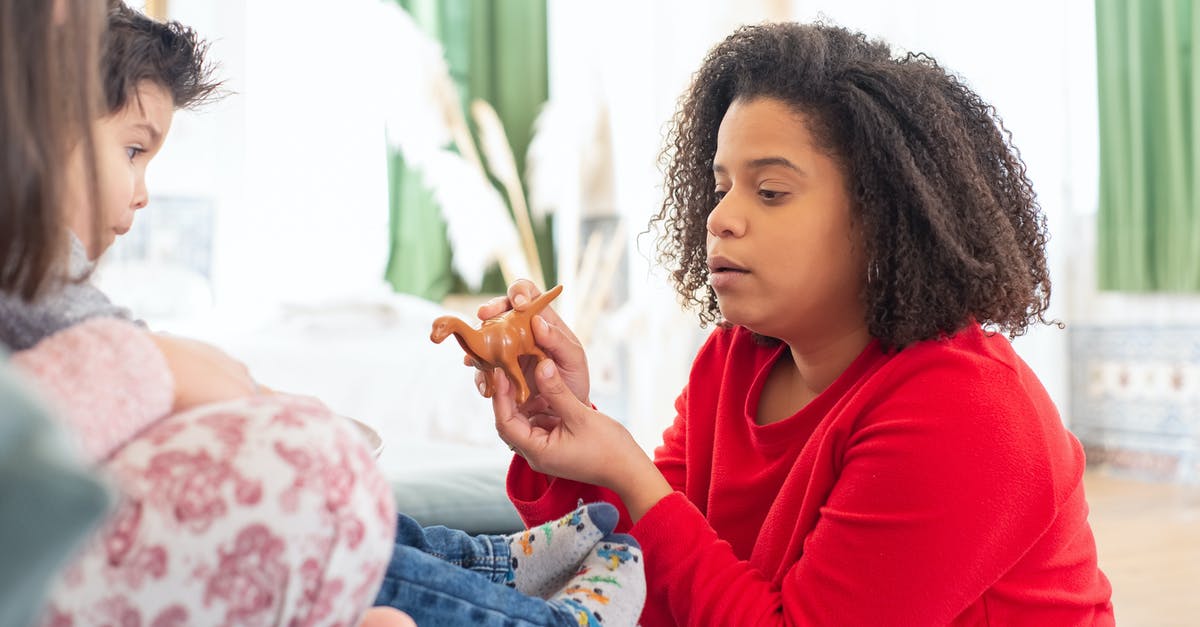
(203,373)
(111,379)
(106,376)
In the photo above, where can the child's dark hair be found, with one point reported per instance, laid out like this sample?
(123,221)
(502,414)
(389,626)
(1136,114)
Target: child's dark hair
(948,217)
(138,48)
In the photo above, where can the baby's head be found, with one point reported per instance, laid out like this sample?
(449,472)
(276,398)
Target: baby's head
(937,220)
(148,70)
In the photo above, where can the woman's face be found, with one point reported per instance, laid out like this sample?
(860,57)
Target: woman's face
(784,257)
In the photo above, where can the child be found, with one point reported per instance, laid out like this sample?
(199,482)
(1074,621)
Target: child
(550,575)
(857,443)
(149,71)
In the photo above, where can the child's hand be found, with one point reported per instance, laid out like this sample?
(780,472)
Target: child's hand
(203,373)
(386,617)
(550,334)
(560,436)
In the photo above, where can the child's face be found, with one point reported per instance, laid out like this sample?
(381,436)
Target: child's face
(126,141)
(784,258)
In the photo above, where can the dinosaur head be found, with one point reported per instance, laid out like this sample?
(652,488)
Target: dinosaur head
(442,328)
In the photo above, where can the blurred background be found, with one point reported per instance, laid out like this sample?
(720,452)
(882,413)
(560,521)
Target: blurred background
(381,162)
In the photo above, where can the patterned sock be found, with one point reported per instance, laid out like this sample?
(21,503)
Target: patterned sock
(610,587)
(546,556)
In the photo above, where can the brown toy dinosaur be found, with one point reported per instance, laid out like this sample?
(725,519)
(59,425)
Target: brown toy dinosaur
(499,341)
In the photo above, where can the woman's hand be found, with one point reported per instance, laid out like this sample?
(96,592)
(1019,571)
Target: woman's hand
(550,334)
(203,373)
(561,436)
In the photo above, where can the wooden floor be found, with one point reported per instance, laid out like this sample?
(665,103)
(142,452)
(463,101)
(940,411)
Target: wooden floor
(1148,537)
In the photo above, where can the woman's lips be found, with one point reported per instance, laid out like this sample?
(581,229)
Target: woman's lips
(724,273)
(720,263)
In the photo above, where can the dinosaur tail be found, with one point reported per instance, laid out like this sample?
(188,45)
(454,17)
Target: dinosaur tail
(540,302)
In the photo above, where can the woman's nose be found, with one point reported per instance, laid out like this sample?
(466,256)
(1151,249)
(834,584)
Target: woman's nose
(725,220)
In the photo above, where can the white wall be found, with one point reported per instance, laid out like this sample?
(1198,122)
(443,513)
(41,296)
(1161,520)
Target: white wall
(293,159)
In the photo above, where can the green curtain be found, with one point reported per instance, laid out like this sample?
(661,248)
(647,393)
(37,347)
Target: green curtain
(496,50)
(1149,222)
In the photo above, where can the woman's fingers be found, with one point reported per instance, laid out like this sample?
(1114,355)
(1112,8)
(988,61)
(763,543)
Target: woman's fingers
(557,342)
(511,425)
(546,422)
(493,308)
(520,292)
(562,401)
(568,354)
(535,406)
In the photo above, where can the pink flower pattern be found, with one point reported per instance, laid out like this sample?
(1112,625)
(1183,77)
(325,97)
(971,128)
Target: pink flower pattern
(286,418)
(121,531)
(117,611)
(247,577)
(266,511)
(173,616)
(228,428)
(320,596)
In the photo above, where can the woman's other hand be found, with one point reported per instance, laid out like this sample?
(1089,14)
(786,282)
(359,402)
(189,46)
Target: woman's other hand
(564,437)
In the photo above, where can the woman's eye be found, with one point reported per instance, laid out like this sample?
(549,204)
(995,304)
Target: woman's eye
(767,194)
(720,194)
(133,151)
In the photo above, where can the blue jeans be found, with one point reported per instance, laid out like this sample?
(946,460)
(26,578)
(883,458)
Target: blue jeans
(443,576)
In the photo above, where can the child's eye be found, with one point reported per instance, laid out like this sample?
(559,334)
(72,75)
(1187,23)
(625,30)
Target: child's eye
(133,151)
(720,194)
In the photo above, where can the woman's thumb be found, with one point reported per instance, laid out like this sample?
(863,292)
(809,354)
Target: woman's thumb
(543,335)
(555,342)
(552,387)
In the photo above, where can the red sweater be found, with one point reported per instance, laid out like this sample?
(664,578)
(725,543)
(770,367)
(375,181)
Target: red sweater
(932,486)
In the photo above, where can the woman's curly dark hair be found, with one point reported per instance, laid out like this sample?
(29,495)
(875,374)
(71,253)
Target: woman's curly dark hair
(949,219)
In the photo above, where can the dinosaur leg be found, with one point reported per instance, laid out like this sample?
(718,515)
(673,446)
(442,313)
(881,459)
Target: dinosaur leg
(512,368)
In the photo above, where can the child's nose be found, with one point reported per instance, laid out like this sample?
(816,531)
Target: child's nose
(140,195)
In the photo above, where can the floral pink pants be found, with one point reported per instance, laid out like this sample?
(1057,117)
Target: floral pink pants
(266,511)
